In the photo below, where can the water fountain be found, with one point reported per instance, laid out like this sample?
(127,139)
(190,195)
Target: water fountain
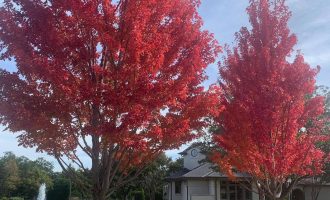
(42,192)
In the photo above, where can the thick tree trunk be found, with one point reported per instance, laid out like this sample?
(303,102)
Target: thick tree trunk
(99,191)
(153,195)
(98,196)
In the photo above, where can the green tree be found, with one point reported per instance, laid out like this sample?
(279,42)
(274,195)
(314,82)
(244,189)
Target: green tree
(32,174)
(60,189)
(21,177)
(64,186)
(152,179)
(9,174)
(174,166)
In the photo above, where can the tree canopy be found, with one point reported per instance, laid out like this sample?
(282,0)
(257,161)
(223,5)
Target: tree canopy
(271,121)
(120,81)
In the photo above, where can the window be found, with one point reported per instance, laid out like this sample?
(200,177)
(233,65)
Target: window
(165,190)
(248,195)
(177,187)
(194,153)
(234,191)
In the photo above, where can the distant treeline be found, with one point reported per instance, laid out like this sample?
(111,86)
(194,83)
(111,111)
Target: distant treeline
(20,179)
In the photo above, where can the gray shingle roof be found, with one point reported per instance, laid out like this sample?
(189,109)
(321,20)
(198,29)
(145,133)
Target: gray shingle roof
(202,171)
(205,170)
(179,173)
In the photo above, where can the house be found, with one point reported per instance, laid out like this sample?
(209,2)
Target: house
(199,181)
(305,189)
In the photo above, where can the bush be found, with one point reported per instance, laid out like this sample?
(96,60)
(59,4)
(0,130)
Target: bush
(60,190)
(11,198)
(138,195)
(16,198)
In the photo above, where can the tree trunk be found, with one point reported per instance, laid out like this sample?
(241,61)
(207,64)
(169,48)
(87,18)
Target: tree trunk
(153,195)
(99,196)
(261,195)
(315,192)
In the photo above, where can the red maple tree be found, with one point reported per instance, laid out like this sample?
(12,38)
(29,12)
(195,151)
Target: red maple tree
(271,120)
(118,80)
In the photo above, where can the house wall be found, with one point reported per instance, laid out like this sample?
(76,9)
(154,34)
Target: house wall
(255,196)
(203,190)
(323,195)
(166,191)
(198,187)
(218,190)
(175,196)
(191,162)
(202,198)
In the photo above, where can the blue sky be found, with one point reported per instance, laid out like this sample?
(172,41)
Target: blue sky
(310,22)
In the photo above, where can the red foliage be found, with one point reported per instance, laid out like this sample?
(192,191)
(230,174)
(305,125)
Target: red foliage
(128,72)
(271,120)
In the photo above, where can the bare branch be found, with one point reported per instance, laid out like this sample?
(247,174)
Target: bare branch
(78,162)
(72,174)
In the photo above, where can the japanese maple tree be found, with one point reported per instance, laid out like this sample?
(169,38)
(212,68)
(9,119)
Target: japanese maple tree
(118,80)
(271,120)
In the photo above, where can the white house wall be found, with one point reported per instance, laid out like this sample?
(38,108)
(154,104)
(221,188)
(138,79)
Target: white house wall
(323,195)
(202,189)
(191,162)
(217,189)
(255,196)
(202,198)
(198,187)
(175,196)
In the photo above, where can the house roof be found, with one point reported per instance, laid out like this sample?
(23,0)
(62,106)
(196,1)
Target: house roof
(179,173)
(205,170)
(310,181)
(201,171)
